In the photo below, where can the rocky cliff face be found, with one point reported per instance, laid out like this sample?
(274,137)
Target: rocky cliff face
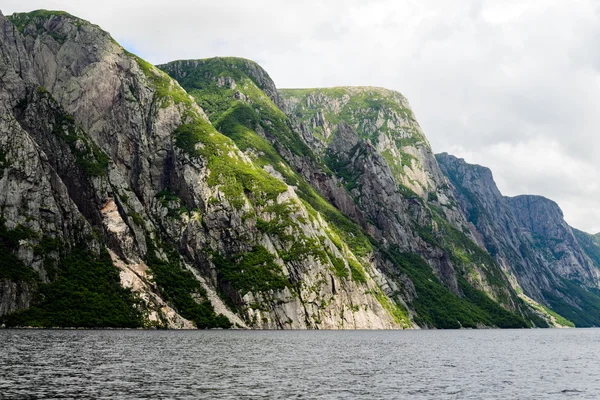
(383,118)
(109,154)
(348,172)
(202,196)
(529,237)
(590,244)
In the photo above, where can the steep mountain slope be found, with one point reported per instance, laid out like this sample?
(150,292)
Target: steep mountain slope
(128,199)
(381,117)
(529,237)
(382,120)
(147,180)
(231,90)
(590,244)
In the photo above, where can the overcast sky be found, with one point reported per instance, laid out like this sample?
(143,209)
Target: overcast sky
(512,85)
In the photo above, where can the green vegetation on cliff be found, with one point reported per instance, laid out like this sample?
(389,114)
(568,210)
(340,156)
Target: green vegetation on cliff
(369,110)
(240,110)
(180,289)
(235,176)
(166,91)
(11,267)
(588,312)
(467,255)
(253,271)
(210,82)
(437,306)
(86,293)
(218,84)
(380,117)
(40,17)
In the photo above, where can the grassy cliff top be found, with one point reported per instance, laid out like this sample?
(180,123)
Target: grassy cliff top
(200,73)
(369,110)
(23,19)
(341,91)
(229,61)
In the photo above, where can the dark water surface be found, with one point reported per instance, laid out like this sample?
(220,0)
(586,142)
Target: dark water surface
(486,364)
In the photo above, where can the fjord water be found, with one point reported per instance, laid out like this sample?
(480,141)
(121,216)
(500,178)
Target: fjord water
(467,364)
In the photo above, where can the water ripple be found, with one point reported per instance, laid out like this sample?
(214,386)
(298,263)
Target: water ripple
(488,364)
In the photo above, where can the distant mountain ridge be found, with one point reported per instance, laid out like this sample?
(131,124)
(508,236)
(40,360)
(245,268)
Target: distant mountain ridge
(552,262)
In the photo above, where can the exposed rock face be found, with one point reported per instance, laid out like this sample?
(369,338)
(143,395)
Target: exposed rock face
(384,119)
(31,192)
(529,237)
(363,185)
(395,218)
(374,188)
(590,244)
(544,220)
(14,296)
(206,205)
(107,151)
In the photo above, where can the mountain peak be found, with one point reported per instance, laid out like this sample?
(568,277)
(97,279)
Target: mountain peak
(59,25)
(197,73)
(40,17)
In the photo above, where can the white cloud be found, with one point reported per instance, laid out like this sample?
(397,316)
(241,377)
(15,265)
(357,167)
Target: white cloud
(512,85)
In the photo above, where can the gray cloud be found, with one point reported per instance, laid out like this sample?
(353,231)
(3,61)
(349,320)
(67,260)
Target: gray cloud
(513,85)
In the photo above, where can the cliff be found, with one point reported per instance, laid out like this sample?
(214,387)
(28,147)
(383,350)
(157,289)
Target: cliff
(197,194)
(529,237)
